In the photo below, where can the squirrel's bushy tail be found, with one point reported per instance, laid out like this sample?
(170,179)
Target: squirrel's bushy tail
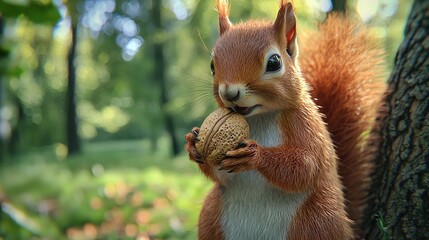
(344,67)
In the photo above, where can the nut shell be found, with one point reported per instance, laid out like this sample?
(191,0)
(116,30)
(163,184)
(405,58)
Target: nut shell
(221,132)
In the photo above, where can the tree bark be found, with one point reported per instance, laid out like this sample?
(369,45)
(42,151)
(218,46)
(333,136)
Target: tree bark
(339,6)
(399,208)
(73,143)
(159,74)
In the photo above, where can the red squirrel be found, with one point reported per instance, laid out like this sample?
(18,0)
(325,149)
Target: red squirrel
(304,172)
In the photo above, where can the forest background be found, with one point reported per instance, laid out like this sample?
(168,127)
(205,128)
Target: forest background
(95,97)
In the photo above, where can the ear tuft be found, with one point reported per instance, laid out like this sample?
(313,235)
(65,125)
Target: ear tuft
(285,26)
(283,3)
(222,7)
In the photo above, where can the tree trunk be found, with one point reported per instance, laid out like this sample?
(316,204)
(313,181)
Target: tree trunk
(159,74)
(3,120)
(339,6)
(73,143)
(398,208)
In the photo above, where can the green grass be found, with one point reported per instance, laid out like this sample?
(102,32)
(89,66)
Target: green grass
(114,190)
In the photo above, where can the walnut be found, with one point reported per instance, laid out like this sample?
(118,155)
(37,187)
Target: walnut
(222,131)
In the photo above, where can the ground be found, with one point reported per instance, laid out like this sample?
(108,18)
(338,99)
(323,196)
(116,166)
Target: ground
(113,190)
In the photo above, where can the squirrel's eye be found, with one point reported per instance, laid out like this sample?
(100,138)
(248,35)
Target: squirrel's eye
(212,67)
(274,63)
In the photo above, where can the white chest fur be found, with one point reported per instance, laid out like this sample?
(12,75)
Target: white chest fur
(252,208)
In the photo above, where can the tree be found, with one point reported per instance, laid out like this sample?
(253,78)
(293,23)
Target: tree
(44,13)
(159,75)
(339,6)
(73,143)
(72,135)
(3,121)
(400,192)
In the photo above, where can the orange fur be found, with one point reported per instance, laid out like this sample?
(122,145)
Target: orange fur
(209,222)
(293,152)
(348,92)
(223,9)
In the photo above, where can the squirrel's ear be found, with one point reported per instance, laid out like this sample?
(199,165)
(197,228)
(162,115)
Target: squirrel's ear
(285,28)
(223,9)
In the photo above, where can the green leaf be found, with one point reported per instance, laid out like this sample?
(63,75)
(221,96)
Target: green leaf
(36,12)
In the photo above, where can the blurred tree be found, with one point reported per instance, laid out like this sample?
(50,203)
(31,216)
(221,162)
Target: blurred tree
(400,193)
(113,33)
(4,123)
(38,12)
(73,144)
(73,141)
(159,74)
(339,6)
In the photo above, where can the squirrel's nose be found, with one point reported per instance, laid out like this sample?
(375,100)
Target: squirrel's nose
(231,92)
(231,95)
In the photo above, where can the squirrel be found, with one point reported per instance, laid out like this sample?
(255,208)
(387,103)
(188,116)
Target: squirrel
(305,171)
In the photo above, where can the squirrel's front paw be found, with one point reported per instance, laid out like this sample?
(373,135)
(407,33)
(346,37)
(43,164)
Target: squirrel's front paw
(191,138)
(244,157)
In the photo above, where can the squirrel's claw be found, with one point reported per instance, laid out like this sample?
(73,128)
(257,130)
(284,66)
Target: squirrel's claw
(236,165)
(244,157)
(199,160)
(191,138)
(195,132)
